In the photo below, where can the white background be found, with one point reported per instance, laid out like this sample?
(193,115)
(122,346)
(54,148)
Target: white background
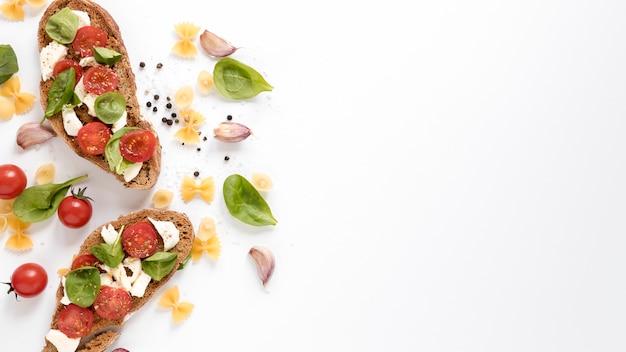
(449,176)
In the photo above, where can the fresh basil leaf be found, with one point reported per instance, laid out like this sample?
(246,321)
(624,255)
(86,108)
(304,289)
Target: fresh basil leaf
(83,285)
(8,62)
(236,80)
(159,264)
(110,107)
(112,150)
(106,56)
(61,92)
(245,203)
(62,26)
(110,254)
(38,203)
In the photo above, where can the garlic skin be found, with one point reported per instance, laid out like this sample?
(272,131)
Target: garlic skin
(215,46)
(33,133)
(265,262)
(231,132)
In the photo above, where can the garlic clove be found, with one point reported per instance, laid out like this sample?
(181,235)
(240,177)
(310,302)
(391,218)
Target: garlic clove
(215,46)
(265,262)
(231,132)
(32,133)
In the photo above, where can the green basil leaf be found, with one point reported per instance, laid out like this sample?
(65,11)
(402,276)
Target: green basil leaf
(38,203)
(110,254)
(106,56)
(112,150)
(8,62)
(110,107)
(61,92)
(183,264)
(62,26)
(245,203)
(83,285)
(159,264)
(236,80)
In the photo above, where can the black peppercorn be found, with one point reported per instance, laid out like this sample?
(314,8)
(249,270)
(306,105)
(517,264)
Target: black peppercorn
(229,117)
(148,104)
(196,173)
(226,158)
(142,64)
(159,65)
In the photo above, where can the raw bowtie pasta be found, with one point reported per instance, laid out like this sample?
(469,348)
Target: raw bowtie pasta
(205,189)
(14,9)
(180,310)
(19,240)
(191,120)
(206,241)
(187,32)
(22,101)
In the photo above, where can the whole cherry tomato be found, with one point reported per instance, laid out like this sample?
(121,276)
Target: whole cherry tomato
(28,280)
(75,210)
(12,181)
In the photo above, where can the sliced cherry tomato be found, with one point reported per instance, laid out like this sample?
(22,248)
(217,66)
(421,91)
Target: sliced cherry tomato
(75,210)
(138,145)
(140,240)
(86,259)
(113,302)
(87,38)
(93,137)
(64,64)
(12,181)
(100,79)
(28,280)
(75,321)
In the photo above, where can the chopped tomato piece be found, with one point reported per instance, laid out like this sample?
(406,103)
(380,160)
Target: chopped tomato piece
(138,145)
(140,240)
(87,38)
(93,137)
(64,64)
(86,259)
(113,302)
(100,79)
(75,321)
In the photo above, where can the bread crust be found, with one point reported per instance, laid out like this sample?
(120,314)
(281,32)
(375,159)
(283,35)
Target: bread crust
(105,331)
(102,19)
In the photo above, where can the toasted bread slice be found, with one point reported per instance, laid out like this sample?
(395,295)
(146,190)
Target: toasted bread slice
(100,18)
(105,331)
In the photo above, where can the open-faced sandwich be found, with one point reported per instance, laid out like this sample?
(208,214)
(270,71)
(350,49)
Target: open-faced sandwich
(89,94)
(117,269)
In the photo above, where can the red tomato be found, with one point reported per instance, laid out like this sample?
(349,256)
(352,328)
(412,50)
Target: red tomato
(75,321)
(87,38)
(75,210)
(113,302)
(93,137)
(12,181)
(86,259)
(138,145)
(140,240)
(28,280)
(63,65)
(100,79)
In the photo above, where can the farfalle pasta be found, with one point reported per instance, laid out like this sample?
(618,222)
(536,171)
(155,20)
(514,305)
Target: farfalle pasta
(187,32)
(206,241)
(19,240)
(171,299)
(191,120)
(205,189)
(14,100)
(14,9)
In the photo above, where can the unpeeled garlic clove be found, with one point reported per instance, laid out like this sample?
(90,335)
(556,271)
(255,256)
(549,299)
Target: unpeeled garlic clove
(215,46)
(265,262)
(231,132)
(32,133)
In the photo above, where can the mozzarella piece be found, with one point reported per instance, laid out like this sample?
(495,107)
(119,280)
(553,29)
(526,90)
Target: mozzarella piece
(168,232)
(131,171)
(87,61)
(71,122)
(119,124)
(140,285)
(134,265)
(109,235)
(65,300)
(85,97)
(83,18)
(61,341)
(50,55)
(119,276)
